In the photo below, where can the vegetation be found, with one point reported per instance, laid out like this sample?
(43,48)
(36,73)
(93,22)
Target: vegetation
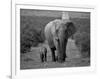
(82,36)
(32,31)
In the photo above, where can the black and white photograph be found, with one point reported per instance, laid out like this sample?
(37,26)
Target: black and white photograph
(54,39)
(50,39)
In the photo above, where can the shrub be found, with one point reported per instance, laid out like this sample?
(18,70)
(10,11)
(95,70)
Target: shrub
(82,40)
(30,37)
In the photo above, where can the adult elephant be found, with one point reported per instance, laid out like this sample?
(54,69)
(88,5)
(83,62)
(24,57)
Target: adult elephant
(57,33)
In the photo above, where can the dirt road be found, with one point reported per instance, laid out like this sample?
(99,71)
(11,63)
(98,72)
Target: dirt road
(31,60)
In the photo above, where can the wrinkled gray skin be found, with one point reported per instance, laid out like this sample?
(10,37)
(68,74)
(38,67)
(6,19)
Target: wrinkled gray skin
(57,33)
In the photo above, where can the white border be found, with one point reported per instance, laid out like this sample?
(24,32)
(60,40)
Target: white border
(17,73)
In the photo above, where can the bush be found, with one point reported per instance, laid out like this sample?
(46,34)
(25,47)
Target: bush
(82,35)
(30,37)
(82,40)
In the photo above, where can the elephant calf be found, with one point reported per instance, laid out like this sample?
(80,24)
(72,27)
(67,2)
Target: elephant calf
(43,54)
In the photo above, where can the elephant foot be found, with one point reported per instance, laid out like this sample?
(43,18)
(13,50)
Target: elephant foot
(60,60)
(54,59)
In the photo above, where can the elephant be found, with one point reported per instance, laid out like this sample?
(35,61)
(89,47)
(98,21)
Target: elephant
(43,54)
(57,33)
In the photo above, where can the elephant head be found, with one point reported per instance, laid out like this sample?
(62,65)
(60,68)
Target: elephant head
(57,33)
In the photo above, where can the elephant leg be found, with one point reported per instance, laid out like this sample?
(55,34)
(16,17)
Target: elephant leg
(45,57)
(42,57)
(56,58)
(53,54)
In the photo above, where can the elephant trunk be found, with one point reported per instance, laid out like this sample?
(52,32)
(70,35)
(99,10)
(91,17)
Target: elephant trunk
(62,49)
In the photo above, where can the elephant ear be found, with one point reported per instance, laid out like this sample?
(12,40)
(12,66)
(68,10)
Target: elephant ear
(70,29)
